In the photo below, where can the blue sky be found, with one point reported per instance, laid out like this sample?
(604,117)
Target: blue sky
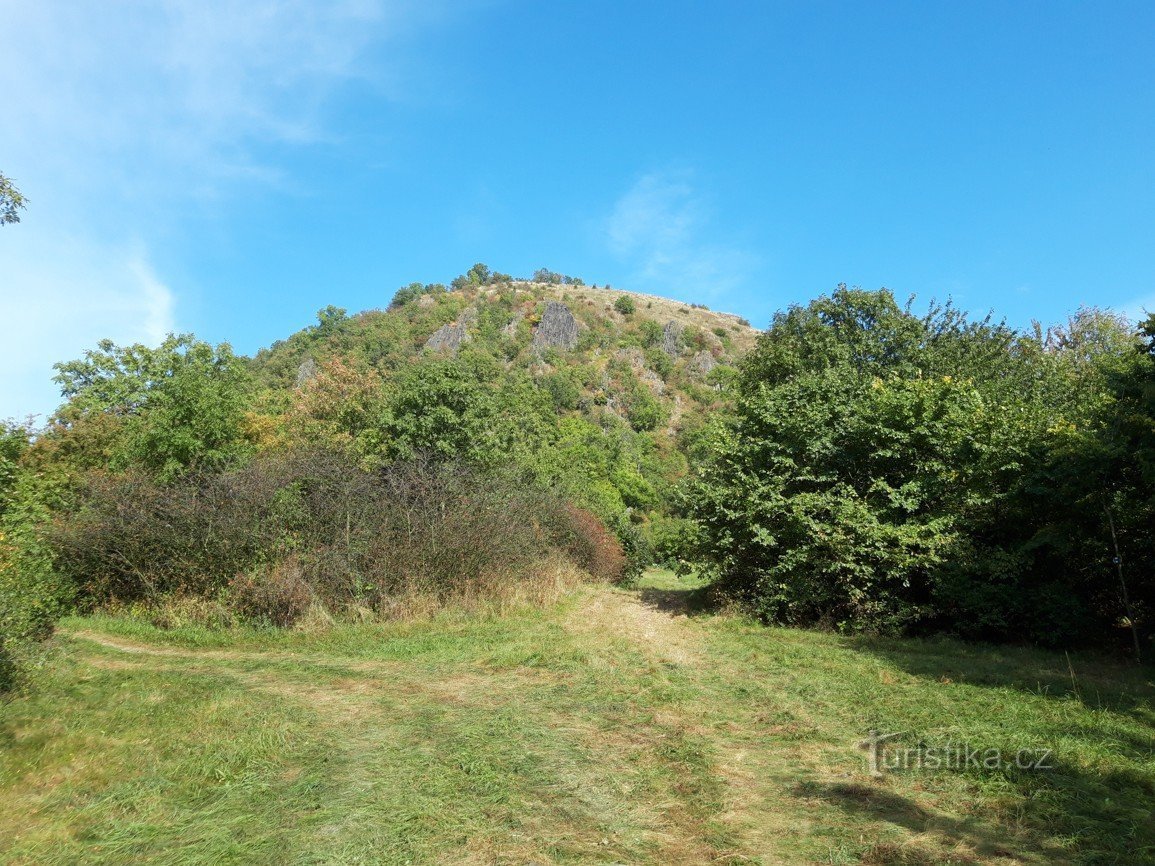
(230,168)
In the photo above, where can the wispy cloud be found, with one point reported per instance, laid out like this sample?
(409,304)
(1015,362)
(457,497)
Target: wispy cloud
(664,228)
(118,118)
(173,92)
(56,306)
(158,300)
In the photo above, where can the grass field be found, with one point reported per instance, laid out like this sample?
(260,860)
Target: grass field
(611,728)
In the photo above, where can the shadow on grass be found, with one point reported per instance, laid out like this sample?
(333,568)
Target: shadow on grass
(1099,798)
(675,602)
(1098,682)
(1105,818)
(876,803)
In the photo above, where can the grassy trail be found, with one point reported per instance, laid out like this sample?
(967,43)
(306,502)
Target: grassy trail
(617,727)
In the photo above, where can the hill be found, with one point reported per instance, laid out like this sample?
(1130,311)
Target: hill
(670,347)
(597,392)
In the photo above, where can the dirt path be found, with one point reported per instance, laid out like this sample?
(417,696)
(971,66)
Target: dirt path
(661,635)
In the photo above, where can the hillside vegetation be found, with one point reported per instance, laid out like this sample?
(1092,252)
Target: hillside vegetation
(371,595)
(458,442)
(858,466)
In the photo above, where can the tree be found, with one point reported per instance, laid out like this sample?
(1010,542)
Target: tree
(479,274)
(14,442)
(329,320)
(863,439)
(182,403)
(11,201)
(545,275)
(884,470)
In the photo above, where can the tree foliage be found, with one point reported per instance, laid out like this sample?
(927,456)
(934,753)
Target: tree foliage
(885,470)
(625,305)
(11,201)
(182,403)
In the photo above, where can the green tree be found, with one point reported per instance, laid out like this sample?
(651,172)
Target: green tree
(14,442)
(479,274)
(463,409)
(183,402)
(863,438)
(330,320)
(406,294)
(11,201)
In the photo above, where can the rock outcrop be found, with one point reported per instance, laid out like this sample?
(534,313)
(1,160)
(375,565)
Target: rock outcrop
(510,330)
(306,371)
(672,338)
(447,338)
(451,337)
(703,363)
(558,328)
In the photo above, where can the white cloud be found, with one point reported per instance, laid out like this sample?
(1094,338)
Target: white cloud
(61,305)
(173,92)
(118,117)
(158,300)
(663,227)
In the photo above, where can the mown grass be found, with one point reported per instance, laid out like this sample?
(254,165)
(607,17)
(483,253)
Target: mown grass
(609,728)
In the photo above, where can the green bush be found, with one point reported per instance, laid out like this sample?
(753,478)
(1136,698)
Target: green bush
(625,305)
(890,471)
(651,333)
(33,593)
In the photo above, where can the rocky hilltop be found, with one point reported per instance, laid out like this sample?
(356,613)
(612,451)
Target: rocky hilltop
(644,359)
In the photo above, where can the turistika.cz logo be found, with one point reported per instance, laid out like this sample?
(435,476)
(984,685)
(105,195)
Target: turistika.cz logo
(884,755)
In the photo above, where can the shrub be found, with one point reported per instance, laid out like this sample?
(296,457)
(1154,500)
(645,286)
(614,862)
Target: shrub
(651,333)
(670,539)
(294,527)
(625,305)
(589,543)
(33,594)
(277,594)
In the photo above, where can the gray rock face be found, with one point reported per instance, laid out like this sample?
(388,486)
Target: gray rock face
(632,356)
(447,338)
(703,363)
(510,330)
(652,381)
(557,328)
(672,338)
(306,371)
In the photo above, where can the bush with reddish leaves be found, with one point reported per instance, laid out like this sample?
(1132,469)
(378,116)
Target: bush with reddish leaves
(590,544)
(276,594)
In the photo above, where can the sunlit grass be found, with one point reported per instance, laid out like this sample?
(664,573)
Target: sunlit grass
(609,728)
